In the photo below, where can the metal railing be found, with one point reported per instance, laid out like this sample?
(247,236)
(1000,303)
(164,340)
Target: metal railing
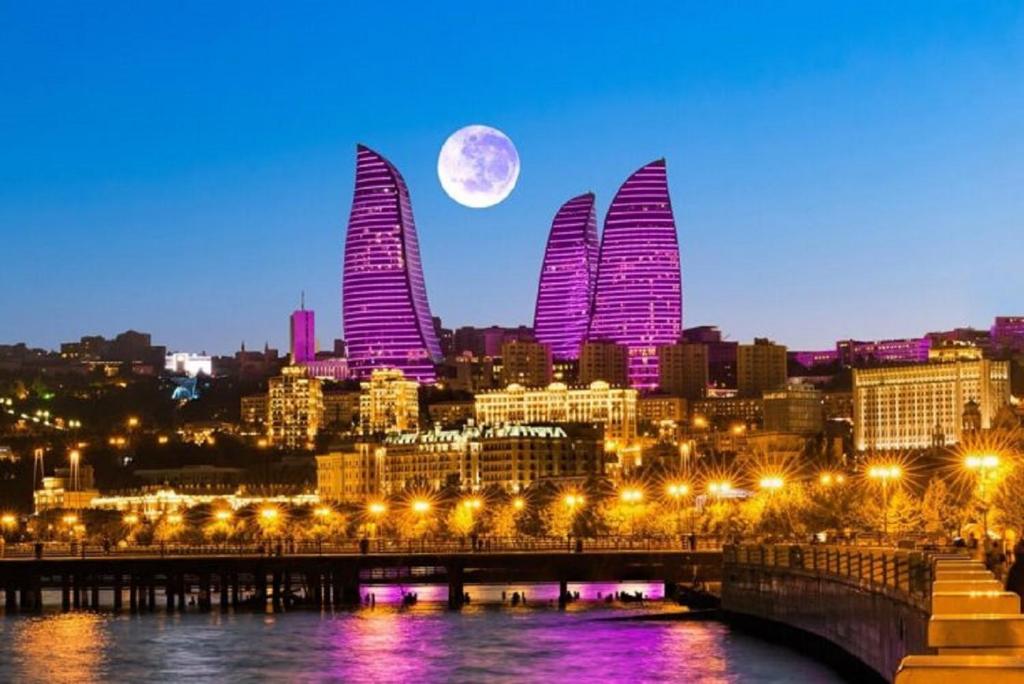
(286,547)
(907,573)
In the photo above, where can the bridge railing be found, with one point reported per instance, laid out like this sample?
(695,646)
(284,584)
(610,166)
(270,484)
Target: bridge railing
(281,547)
(908,573)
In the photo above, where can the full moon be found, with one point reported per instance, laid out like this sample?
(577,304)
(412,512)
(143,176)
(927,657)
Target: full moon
(478,166)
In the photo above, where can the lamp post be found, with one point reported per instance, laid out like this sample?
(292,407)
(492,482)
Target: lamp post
(676,491)
(884,475)
(984,466)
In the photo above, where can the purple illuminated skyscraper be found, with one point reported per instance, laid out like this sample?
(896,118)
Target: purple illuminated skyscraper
(639,297)
(384,300)
(566,291)
(303,335)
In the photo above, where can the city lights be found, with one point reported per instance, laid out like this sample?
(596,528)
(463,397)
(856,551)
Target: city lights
(377,508)
(421,506)
(473,503)
(828,479)
(885,474)
(269,513)
(322,512)
(130,519)
(573,500)
(720,488)
(175,518)
(223,515)
(518,503)
(677,490)
(631,495)
(8,520)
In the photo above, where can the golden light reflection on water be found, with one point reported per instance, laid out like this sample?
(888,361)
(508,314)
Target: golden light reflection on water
(59,648)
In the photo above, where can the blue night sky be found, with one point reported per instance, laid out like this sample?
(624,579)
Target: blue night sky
(837,169)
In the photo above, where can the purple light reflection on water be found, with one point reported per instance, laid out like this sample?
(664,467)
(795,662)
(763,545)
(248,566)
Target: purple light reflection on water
(541,593)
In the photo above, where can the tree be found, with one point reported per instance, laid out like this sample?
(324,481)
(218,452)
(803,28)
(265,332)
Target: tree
(1008,501)
(943,511)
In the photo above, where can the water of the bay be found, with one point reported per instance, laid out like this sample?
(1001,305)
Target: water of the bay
(590,642)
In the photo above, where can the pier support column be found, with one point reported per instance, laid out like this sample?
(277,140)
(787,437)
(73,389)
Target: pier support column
(151,601)
(205,591)
(118,598)
(222,587)
(133,593)
(260,580)
(234,589)
(76,591)
(276,598)
(10,599)
(182,590)
(169,590)
(348,579)
(563,593)
(65,592)
(94,602)
(456,588)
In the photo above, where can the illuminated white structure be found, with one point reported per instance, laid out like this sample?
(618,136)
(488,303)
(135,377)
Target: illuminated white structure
(389,402)
(615,408)
(189,364)
(909,407)
(154,504)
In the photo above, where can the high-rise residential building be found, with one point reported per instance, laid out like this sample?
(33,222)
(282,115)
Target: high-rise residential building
(565,294)
(384,305)
(921,405)
(302,333)
(603,360)
(760,366)
(638,300)
(683,369)
(526,363)
(296,408)
(389,402)
(341,408)
(481,342)
(614,408)
(795,408)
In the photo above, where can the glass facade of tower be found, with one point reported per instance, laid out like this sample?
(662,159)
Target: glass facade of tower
(566,291)
(639,297)
(384,299)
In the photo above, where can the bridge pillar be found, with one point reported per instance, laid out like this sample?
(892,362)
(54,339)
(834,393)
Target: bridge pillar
(182,590)
(260,580)
(133,593)
(76,591)
(95,600)
(151,600)
(205,591)
(10,599)
(456,587)
(276,598)
(234,589)
(118,598)
(169,591)
(563,593)
(222,588)
(336,587)
(65,592)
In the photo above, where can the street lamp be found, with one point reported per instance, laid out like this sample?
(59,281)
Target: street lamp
(771,483)
(719,488)
(519,503)
(984,466)
(130,519)
(828,479)
(631,495)
(884,474)
(677,491)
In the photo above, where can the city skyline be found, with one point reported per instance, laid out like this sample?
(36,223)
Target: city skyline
(796,157)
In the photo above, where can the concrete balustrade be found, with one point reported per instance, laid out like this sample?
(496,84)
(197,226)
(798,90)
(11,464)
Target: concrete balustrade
(976,628)
(1001,602)
(945,586)
(962,669)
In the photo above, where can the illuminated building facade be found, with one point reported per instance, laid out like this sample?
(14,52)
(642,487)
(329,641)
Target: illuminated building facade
(255,409)
(1007,334)
(638,299)
(295,408)
(526,363)
(384,299)
(615,408)
(566,291)
(389,402)
(189,364)
(916,406)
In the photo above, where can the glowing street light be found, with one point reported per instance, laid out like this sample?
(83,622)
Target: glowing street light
(884,474)
(984,466)
(70,520)
(473,503)
(828,479)
(771,483)
(631,495)
(223,515)
(269,513)
(9,520)
(720,488)
(421,506)
(519,503)
(175,518)
(377,508)
(133,422)
(130,519)
(322,512)
(573,500)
